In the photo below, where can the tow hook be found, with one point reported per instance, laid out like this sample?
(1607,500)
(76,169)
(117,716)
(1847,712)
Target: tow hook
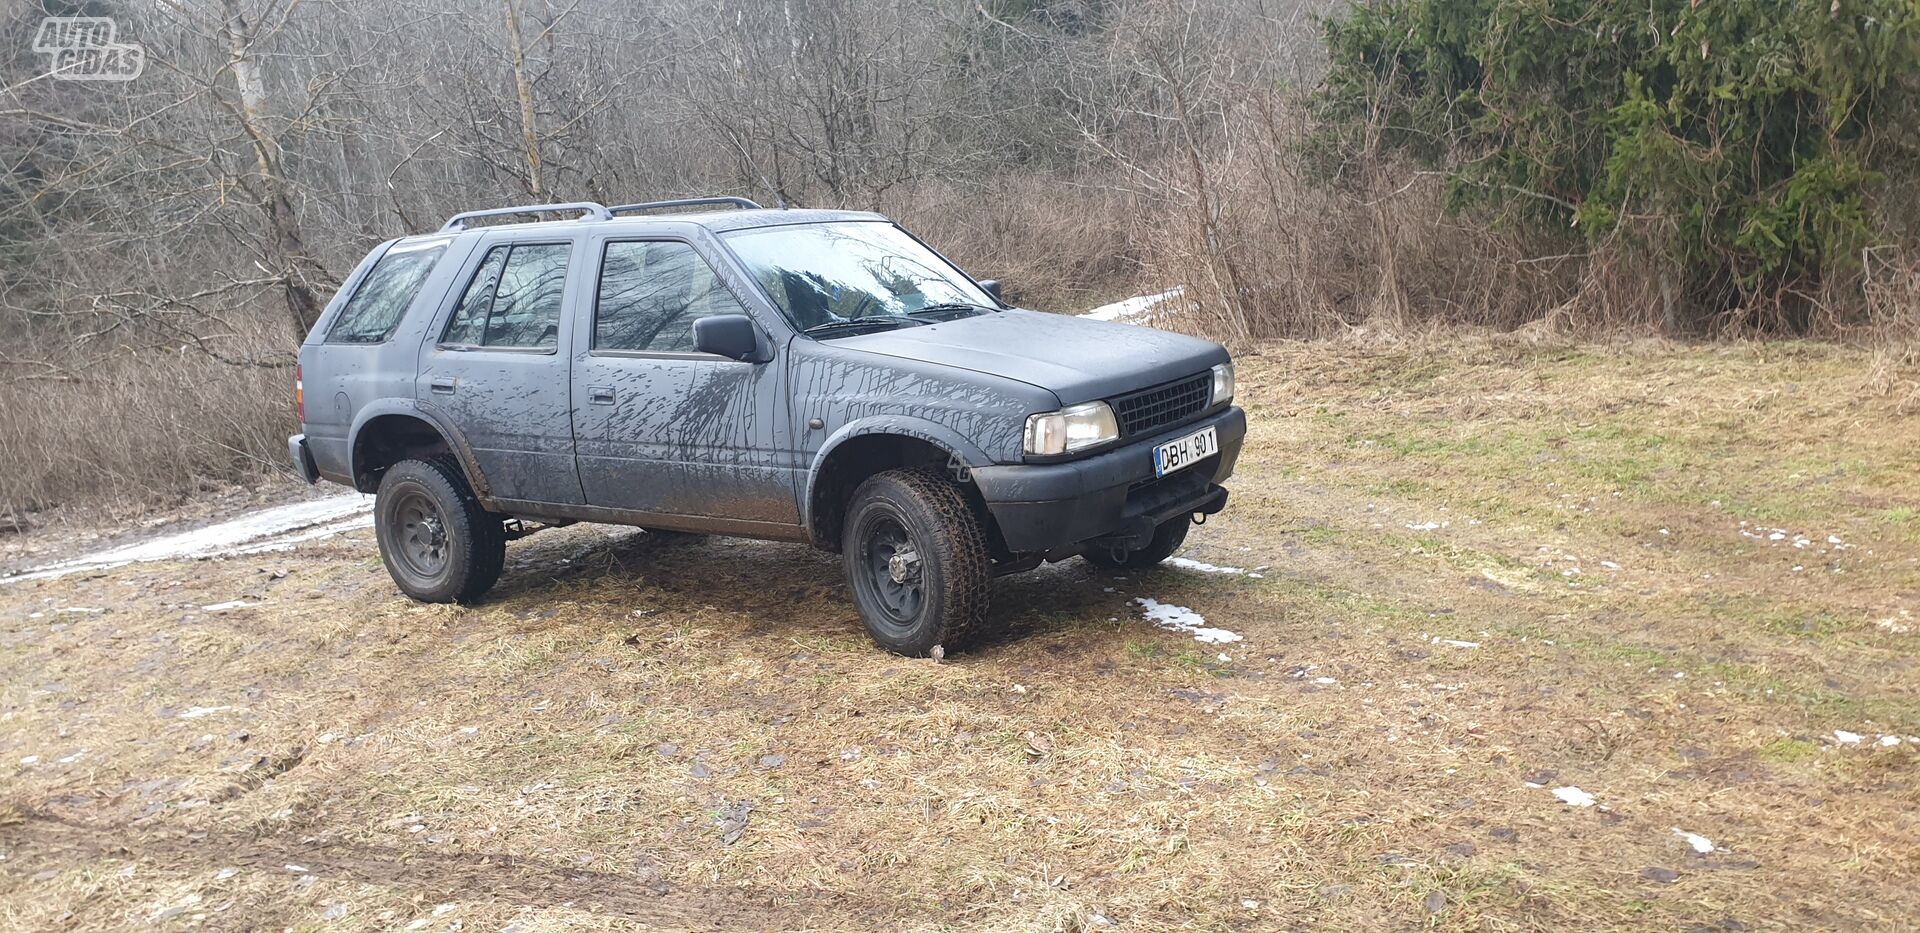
(1199,518)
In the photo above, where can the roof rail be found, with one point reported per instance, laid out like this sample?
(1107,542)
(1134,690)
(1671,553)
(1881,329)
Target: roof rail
(591,209)
(742,203)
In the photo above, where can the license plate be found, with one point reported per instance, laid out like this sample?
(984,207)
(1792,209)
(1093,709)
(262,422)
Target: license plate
(1185,452)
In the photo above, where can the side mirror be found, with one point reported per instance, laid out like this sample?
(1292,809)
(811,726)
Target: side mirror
(730,335)
(992,287)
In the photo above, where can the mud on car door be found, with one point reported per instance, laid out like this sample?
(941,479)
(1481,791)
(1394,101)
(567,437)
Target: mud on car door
(660,427)
(497,368)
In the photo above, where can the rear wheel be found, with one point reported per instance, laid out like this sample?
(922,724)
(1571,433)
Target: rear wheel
(1167,539)
(439,545)
(917,561)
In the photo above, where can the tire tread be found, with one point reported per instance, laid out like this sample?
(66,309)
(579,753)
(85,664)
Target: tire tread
(487,551)
(960,544)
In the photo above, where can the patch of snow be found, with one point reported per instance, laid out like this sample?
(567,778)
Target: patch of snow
(1898,625)
(1426,526)
(76,756)
(1573,796)
(30,760)
(1131,307)
(1204,567)
(1181,619)
(1326,681)
(297,869)
(229,605)
(264,530)
(83,610)
(199,711)
(287,542)
(1794,539)
(1846,738)
(1888,741)
(1699,843)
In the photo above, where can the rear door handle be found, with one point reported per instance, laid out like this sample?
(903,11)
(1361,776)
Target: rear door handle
(441,386)
(600,395)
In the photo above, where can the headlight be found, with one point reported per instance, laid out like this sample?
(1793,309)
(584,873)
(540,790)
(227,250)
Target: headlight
(1071,429)
(1222,383)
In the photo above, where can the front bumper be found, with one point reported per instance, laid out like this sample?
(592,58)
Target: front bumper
(1113,495)
(302,459)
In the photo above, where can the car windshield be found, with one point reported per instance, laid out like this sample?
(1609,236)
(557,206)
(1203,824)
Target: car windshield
(823,276)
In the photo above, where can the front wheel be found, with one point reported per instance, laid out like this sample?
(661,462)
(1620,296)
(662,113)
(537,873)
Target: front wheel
(917,561)
(439,545)
(1167,539)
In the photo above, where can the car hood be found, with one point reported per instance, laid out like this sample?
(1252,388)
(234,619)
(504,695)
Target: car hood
(1077,359)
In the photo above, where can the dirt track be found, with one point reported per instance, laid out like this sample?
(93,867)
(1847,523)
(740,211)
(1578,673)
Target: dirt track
(1471,583)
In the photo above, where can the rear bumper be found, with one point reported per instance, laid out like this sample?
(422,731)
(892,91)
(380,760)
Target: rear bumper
(1112,496)
(302,459)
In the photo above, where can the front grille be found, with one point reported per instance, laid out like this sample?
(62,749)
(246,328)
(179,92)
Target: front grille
(1162,405)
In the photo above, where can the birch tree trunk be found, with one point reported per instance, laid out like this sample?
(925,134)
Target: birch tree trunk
(529,134)
(268,186)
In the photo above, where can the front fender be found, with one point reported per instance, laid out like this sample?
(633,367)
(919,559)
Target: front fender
(958,448)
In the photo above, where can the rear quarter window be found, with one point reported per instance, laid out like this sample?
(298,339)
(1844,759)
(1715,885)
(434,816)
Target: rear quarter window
(384,295)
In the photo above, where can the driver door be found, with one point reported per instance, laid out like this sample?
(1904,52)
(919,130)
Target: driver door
(664,429)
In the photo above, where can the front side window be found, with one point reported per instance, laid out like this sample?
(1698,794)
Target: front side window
(650,294)
(826,277)
(513,300)
(385,294)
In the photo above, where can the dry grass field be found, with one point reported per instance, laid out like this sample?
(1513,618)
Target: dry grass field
(1554,639)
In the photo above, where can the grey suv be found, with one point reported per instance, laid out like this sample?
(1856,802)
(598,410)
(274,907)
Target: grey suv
(794,375)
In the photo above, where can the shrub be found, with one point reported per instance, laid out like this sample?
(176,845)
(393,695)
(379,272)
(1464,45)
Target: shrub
(1732,142)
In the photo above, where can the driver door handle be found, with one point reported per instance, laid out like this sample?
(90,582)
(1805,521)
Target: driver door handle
(441,385)
(600,395)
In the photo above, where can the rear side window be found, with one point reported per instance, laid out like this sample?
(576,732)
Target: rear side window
(650,294)
(385,294)
(513,300)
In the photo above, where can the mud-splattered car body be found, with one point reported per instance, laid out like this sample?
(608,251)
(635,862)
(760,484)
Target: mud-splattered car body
(578,416)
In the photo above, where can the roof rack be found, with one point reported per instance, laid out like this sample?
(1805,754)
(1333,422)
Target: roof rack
(589,209)
(742,203)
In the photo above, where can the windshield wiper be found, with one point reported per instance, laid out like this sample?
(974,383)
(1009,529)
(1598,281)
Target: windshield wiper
(861,323)
(948,307)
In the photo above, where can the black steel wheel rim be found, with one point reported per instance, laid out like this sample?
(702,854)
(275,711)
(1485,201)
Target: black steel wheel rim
(420,535)
(891,570)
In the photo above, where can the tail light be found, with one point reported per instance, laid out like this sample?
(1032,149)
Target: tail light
(299,395)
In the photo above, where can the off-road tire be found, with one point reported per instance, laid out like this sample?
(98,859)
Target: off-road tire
(1166,539)
(475,541)
(955,569)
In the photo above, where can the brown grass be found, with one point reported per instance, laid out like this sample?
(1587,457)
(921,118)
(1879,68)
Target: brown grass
(1056,242)
(128,427)
(697,736)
